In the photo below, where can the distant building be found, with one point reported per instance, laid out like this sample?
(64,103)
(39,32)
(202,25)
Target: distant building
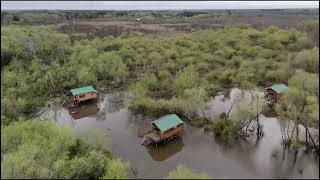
(273,93)
(83,93)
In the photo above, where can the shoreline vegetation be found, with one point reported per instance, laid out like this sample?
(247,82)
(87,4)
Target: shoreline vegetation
(163,75)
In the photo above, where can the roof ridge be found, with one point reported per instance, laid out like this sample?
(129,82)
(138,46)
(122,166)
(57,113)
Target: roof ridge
(82,87)
(82,90)
(279,88)
(164,117)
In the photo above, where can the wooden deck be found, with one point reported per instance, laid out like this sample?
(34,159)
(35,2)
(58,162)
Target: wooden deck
(155,137)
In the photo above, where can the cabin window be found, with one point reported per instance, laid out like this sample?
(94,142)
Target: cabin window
(82,96)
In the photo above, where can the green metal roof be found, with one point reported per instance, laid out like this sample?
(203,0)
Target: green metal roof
(82,90)
(167,122)
(279,88)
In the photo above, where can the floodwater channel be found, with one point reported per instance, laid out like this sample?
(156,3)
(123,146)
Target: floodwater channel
(196,149)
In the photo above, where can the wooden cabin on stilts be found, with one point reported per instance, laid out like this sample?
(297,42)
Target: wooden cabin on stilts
(273,93)
(80,95)
(164,129)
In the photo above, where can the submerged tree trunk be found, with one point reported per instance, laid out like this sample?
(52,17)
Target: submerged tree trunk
(283,140)
(295,157)
(230,108)
(258,125)
(134,173)
(258,129)
(247,128)
(252,97)
(288,130)
(293,130)
(311,137)
(307,144)
(205,117)
(297,134)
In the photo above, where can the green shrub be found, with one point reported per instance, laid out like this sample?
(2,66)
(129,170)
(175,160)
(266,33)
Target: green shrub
(225,129)
(182,172)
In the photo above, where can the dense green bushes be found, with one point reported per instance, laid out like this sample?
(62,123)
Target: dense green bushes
(40,43)
(183,172)
(41,149)
(219,59)
(311,27)
(41,63)
(226,129)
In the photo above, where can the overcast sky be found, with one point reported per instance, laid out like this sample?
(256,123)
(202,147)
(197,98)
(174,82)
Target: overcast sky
(155,5)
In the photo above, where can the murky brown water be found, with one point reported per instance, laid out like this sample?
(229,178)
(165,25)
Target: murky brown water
(196,149)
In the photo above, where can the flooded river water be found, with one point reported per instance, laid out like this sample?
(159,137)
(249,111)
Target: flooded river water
(196,149)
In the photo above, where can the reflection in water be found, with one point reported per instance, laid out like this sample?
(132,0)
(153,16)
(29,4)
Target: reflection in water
(268,112)
(114,102)
(225,95)
(196,149)
(165,150)
(86,109)
(221,103)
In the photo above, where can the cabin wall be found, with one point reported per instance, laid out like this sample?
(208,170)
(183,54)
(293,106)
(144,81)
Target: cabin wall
(86,96)
(173,131)
(271,94)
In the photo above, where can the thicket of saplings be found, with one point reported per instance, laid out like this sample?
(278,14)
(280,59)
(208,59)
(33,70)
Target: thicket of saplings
(167,74)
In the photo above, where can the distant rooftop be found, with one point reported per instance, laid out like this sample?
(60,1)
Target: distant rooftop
(82,90)
(279,88)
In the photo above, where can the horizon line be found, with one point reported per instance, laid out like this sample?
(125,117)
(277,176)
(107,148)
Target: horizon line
(157,9)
